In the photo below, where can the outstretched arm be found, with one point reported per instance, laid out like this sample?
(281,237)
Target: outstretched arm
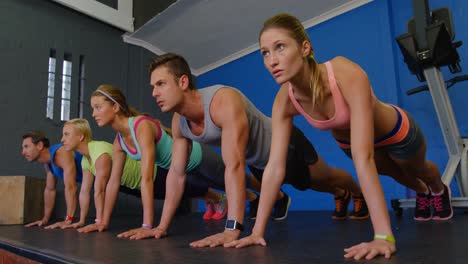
(66,160)
(84,199)
(49,200)
(175,182)
(275,170)
(146,134)
(356,90)
(228,111)
(112,189)
(103,167)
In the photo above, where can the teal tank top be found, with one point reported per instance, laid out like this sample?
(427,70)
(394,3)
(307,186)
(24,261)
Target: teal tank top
(163,146)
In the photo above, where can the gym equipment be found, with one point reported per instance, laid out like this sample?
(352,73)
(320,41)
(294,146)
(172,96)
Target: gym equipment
(426,47)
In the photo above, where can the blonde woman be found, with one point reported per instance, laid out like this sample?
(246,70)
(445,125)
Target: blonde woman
(97,163)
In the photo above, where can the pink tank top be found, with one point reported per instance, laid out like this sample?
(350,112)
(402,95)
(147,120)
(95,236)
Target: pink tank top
(342,116)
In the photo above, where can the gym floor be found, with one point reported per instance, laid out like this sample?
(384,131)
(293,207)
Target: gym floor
(305,237)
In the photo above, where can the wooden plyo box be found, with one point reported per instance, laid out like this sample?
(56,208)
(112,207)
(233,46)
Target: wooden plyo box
(22,199)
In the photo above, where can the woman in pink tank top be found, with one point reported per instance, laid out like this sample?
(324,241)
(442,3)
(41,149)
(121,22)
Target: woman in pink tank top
(337,96)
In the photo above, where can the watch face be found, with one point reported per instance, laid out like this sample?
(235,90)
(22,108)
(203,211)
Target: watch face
(231,224)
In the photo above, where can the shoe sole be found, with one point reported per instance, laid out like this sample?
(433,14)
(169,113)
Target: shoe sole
(287,210)
(359,217)
(422,219)
(339,218)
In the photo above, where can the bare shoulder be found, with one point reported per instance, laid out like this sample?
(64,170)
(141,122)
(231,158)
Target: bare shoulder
(339,62)
(282,97)
(63,156)
(346,68)
(144,121)
(283,103)
(175,126)
(63,153)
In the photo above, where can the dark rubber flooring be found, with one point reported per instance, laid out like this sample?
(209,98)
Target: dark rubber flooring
(304,237)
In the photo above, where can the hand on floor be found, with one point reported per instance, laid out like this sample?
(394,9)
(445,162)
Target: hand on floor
(92,228)
(73,225)
(371,249)
(60,224)
(159,232)
(251,240)
(36,223)
(215,240)
(137,233)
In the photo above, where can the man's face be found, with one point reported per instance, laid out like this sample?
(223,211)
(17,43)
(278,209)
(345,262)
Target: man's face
(30,151)
(166,89)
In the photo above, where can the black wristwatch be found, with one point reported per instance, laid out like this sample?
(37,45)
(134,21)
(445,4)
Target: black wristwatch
(233,225)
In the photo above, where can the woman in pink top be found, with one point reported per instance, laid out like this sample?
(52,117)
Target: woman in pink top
(337,96)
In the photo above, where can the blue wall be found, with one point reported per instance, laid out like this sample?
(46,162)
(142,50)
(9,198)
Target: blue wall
(365,35)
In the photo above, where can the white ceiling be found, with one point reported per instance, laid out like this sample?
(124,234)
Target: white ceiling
(210,33)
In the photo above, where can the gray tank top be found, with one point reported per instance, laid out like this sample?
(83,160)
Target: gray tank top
(258,146)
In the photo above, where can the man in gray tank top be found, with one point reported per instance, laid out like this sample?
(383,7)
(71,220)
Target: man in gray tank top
(222,116)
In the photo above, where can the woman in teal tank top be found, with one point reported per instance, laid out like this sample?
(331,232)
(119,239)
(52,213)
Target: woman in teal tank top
(147,140)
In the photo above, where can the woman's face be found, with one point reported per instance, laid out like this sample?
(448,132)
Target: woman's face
(103,111)
(282,55)
(71,137)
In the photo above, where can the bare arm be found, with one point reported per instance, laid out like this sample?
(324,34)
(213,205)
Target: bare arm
(103,165)
(85,191)
(146,136)
(358,96)
(49,200)
(228,111)
(66,160)
(275,170)
(49,196)
(112,188)
(357,93)
(175,182)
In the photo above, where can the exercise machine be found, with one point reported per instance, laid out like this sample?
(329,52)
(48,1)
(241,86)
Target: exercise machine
(426,48)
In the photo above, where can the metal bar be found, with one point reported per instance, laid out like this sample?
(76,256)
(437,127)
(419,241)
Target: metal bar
(444,110)
(462,178)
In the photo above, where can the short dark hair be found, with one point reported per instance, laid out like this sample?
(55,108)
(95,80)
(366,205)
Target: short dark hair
(36,137)
(175,63)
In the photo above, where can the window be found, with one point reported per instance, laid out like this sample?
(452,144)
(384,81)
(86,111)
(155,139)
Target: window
(67,103)
(51,85)
(66,87)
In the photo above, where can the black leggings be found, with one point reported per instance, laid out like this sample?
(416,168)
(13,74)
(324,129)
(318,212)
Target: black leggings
(193,187)
(301,154)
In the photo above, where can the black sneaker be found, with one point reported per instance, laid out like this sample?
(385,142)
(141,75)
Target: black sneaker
(360,210)
(341,206)
(281,208)
(422,211)
(442,205)
(253,207)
